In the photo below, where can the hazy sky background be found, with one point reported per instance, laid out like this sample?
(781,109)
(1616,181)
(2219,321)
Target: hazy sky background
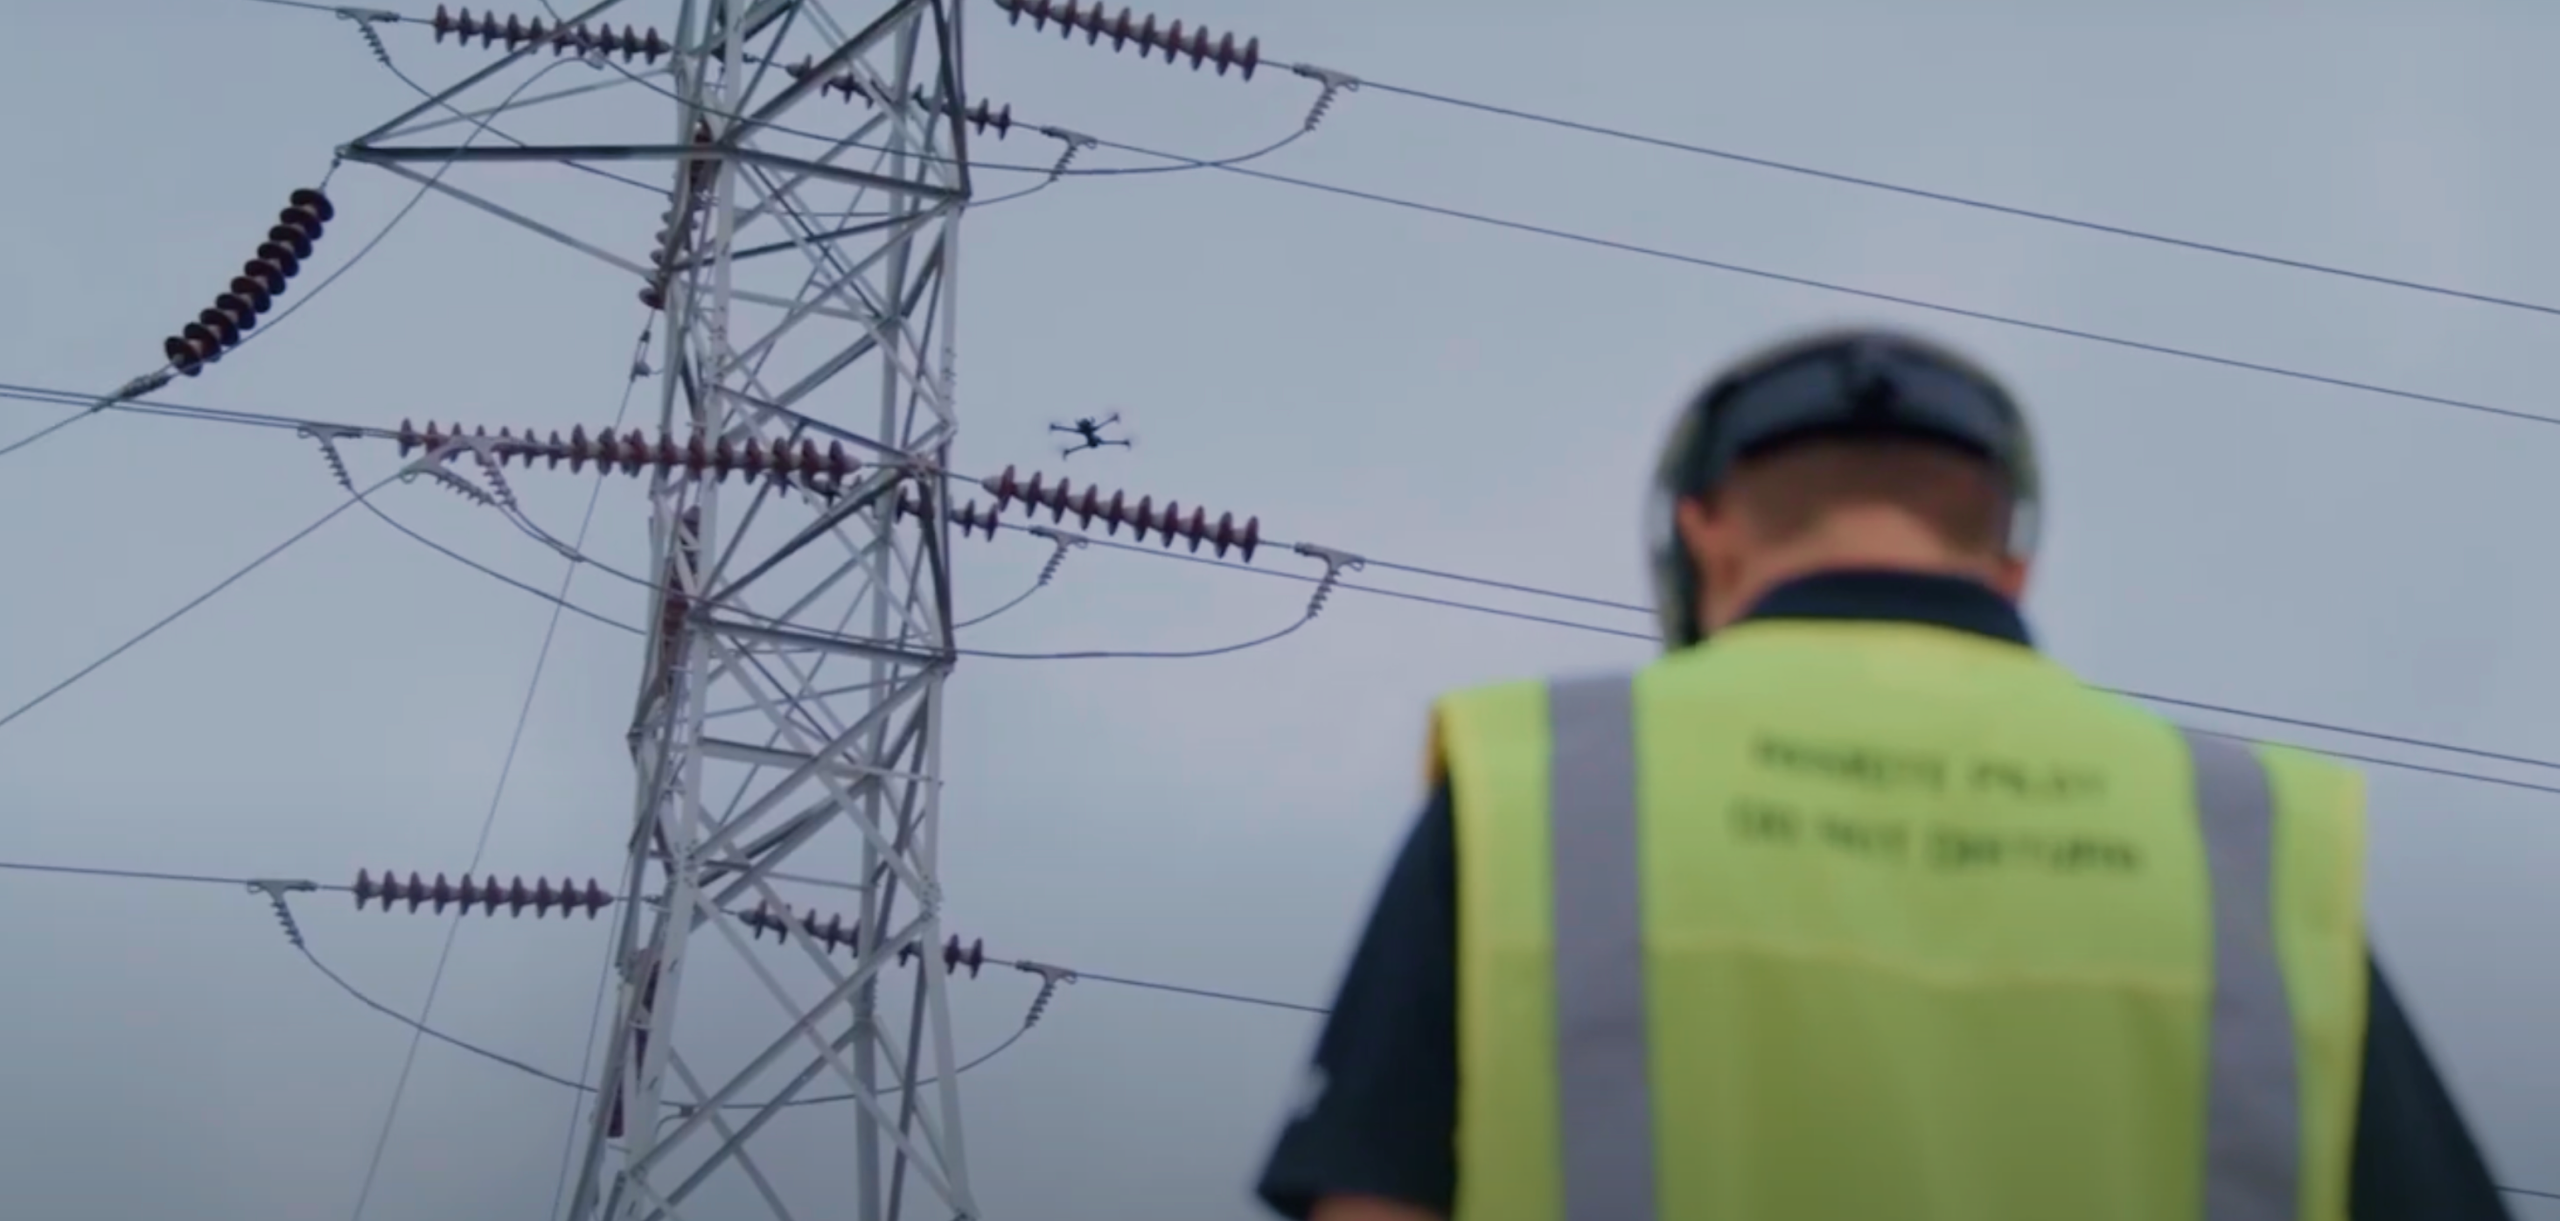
(1412,388)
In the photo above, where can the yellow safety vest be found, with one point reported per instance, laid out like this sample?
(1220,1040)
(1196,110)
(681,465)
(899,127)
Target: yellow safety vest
(1832,921)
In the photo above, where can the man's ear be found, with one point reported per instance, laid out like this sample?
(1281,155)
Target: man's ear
(2009,576)
(1705,528)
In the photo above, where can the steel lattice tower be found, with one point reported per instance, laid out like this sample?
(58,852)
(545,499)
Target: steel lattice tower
(792,696)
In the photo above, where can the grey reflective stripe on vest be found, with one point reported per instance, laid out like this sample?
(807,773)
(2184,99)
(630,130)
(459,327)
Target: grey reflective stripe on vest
(1604,1078)
(1604,1081)
(2253,1144)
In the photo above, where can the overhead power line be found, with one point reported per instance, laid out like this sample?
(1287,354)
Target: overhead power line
(1961,201)
(1051,977)
(1331,581)
(1849,290)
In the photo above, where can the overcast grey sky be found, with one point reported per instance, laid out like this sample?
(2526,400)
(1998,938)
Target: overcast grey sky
(1412,388)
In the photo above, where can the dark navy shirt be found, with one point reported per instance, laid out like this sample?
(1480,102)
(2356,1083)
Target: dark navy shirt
(1383,1123)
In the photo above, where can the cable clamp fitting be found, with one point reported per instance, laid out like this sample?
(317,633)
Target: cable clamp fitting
(1051,979)
(1064,542)
(327,437)
(275,889)
(1335,85)
(1076,143)
(1335,564)
(136,388)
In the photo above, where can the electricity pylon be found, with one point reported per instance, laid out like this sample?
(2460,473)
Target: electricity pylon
(791,700)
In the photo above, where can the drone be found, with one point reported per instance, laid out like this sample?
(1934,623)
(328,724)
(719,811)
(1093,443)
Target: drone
(1088,433)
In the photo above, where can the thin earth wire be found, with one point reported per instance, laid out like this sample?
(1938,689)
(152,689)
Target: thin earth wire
(1961,201)
(489,820)
(192,603)
(1956,311)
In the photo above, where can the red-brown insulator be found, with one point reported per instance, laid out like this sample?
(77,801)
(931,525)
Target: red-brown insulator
(221,324)
(442,23)
(291,239)
(206,344)
(635,452)
(954,958)
(442,894)
(281,257)
(1199,45)
(301,220)
(517,896)
(543,899)
(268,275)
(981,117)
(593,898)
(839,463)
(696,455)
(753,460)
(1249,538)
(181,355)
(314,199)
(363,888)
(253,292)
(237,308)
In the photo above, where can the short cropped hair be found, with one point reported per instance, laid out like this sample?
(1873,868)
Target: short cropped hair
(1789,490)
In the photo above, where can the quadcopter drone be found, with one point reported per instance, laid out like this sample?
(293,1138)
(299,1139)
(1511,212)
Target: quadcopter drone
(1088,433)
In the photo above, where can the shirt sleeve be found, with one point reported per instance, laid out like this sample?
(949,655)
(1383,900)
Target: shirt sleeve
(2414,1156)
(1379,1114)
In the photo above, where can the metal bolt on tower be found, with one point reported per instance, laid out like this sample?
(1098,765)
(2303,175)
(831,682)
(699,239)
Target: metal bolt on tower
(791,700)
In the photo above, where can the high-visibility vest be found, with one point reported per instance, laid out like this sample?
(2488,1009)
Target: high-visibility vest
(1827,921)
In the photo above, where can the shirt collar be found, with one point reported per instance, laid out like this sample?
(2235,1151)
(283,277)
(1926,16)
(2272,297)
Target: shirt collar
(1955,603)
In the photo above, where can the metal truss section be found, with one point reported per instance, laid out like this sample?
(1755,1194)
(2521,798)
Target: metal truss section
(791,699)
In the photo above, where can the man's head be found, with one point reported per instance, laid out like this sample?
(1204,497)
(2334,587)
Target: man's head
(1852,449)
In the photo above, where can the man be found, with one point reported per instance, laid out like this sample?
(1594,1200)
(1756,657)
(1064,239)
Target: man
(1861,908)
